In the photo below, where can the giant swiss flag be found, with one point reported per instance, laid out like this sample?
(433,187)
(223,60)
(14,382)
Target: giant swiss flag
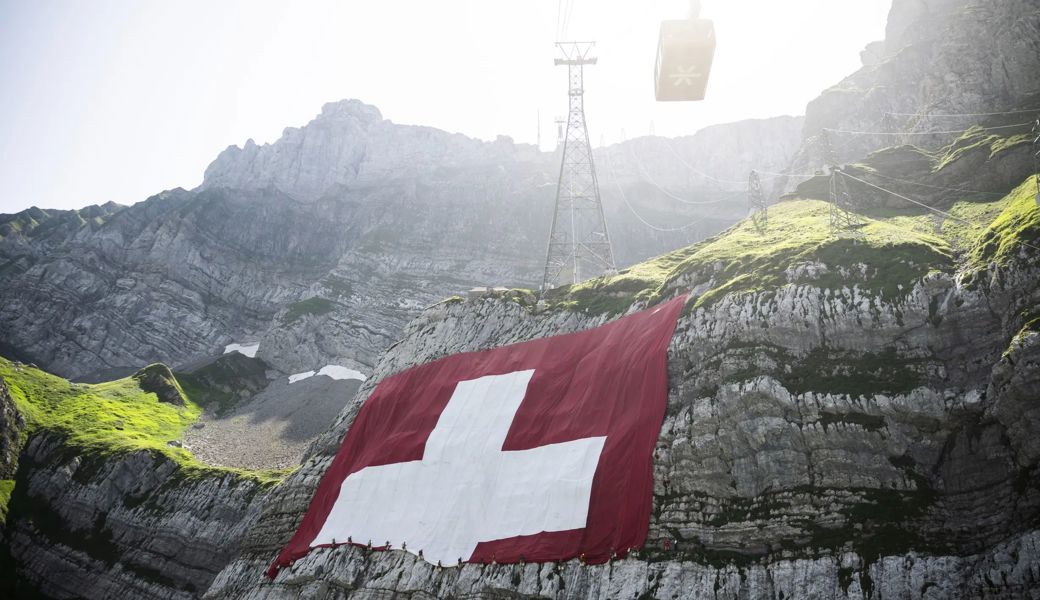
(539,451)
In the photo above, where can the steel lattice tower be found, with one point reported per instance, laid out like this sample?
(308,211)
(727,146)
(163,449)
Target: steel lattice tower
(757,209)
(841,216)
(579,244)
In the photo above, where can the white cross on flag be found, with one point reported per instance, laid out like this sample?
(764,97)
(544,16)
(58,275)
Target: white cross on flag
(539,451)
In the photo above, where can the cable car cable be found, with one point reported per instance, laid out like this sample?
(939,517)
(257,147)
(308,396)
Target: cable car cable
(668,143)
(653,182)
(567,18)
(559,12)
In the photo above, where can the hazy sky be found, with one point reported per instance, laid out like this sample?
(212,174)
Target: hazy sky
(119,99)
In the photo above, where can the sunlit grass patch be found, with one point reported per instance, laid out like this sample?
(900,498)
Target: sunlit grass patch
(109,418)
(6,487)
(1016,225)
(878,256)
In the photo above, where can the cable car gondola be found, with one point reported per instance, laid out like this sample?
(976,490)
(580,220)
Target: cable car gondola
(685,51)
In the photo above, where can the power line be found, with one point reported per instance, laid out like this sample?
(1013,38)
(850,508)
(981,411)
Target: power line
(559,11)
(926,206)
(954,115)
(921,204)
(935,187)
(653,182)
(567,18)
(698,172)
(624,197)
(775,174)
(901,133)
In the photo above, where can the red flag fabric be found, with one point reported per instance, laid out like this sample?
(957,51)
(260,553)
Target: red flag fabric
(533,452)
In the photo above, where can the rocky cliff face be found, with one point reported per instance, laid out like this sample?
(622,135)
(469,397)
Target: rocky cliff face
(849,415)
(868,436)
(130,526)
(322,245)
(11,425)
(943,57)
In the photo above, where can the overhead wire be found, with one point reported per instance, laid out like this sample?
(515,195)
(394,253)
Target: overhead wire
(567,18)
(902,133)
(955,115)
(668,143)
(935,187)
(559,14)
(646,175)
(624,198)
(937,211)
(773,174)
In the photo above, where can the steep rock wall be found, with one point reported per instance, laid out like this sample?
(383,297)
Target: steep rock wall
(943,57)
(819,442)
(328,240)
(83,525)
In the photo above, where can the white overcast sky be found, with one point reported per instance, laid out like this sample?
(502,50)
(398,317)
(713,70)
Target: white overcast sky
(119,99)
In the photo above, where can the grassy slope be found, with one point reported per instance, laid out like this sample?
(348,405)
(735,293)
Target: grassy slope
(1018,222)
(107,418)
(742,259)
(893,249)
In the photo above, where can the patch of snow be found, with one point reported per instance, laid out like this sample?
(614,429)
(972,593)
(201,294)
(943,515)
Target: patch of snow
(338,372)
(301,376)
(247,349)
(332,371)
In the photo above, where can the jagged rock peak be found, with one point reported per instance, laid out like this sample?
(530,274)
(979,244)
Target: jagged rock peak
(350,108)
(350,142)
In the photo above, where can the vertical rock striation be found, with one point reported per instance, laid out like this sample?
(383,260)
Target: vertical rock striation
(85,525)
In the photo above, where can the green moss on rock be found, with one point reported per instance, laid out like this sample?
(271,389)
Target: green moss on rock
(1016,226)
(880,258)
(159,380)
(109,418)
(6,488)
(220,385)
(315,306)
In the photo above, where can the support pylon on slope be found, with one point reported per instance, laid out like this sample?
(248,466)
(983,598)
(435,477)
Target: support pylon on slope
(579,243)
(757,202)
(841,216)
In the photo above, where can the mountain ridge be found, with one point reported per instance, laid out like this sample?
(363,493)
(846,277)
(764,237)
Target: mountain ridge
(850,413)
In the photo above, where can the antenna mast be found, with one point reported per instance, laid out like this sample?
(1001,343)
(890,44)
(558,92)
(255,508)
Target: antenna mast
(579,244)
